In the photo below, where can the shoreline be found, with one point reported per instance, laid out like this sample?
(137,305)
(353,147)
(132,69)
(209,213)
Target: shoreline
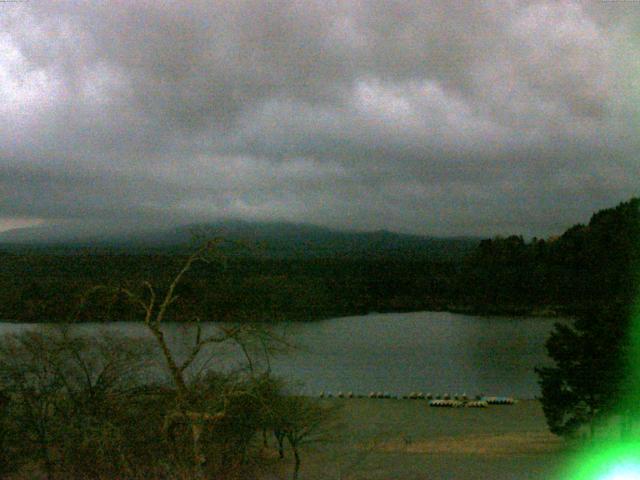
(542,312)
(411,440)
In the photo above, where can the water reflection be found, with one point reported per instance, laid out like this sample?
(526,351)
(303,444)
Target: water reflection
(434,352)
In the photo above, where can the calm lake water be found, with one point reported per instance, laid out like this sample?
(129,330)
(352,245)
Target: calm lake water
(436,352)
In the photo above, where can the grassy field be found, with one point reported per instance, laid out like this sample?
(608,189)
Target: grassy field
(407,439)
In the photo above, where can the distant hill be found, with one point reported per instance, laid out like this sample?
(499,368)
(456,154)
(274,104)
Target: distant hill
(269,239)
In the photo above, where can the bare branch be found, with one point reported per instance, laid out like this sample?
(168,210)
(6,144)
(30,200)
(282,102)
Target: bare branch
(137,300)
(200,343)
(198,255)
(152,294)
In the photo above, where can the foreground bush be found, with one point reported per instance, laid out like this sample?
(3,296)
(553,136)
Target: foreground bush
(77,407)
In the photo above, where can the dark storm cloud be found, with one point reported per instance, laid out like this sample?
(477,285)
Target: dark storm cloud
(474,118)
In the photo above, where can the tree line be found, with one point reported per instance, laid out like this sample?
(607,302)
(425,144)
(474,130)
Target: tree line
(45,287)
(510,275)
(590,264)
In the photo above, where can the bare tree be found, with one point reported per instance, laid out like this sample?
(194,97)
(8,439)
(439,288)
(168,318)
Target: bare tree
(154,307)
(28,375)
(95,367)
(60,383)
(301,421)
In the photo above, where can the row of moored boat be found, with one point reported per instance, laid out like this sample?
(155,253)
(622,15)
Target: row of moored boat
(445,400)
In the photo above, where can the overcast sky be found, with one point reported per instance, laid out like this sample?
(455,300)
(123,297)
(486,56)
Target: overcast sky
(433,117)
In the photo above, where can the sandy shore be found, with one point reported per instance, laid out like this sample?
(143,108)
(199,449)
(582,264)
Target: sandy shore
(407,439)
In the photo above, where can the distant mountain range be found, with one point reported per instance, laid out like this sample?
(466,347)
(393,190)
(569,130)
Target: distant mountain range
(269,239)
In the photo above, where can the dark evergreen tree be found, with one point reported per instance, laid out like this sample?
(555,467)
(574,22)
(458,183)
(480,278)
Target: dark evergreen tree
(588,378)
(592,376)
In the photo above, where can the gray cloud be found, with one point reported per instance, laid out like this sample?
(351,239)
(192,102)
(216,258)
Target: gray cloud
(481,118)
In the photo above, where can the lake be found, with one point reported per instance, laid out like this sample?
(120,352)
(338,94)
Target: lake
(429,352)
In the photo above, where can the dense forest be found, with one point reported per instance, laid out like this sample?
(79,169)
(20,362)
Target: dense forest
(586,264)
